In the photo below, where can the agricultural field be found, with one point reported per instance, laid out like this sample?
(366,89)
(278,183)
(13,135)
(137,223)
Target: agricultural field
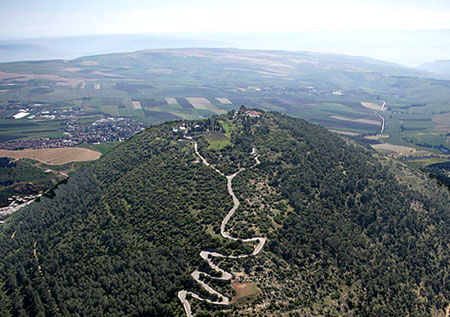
(442,122)
(54,156)
(224,101)
(26,129)
(203,103)
(394,149)
(344,94)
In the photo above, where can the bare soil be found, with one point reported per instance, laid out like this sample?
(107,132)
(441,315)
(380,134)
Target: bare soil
(244,291)
(57,156)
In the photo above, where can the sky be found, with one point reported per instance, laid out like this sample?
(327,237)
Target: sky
(48,18)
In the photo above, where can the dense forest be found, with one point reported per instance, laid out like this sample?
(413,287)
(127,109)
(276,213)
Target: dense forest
(440,171)
(347,232)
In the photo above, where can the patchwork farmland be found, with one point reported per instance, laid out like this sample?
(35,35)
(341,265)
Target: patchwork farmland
(159,85)
(204,104)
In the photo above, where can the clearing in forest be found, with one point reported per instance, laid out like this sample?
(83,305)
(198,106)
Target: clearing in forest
(244,291)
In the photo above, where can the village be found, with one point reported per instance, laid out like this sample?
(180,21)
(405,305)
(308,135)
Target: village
(106,129)
(17,202)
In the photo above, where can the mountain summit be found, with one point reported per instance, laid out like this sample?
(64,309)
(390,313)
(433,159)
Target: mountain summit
(246,212)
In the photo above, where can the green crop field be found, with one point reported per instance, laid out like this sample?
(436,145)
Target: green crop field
(218,140)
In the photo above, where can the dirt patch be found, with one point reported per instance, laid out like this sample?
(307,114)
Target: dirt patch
(377,137)
(203,103)
(260,61)
(136,104)
(272,73)
(345,132)
(89,63)
(72,69)
(224,101)
(303,61)
(166,71)
(54,156)
(244,291)
(199,103)
(398,150)
(394,148)
(171,101)
(97,72)
(371,105)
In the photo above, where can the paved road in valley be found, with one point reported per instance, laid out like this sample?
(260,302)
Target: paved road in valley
(383,121)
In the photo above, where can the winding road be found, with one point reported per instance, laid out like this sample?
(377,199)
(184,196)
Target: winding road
(207,256)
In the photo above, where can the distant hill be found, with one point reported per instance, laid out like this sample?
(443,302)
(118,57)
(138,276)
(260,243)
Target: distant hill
(386,45)
(77,46)
(182,63)
(441,67)
(348,232)
(11,52)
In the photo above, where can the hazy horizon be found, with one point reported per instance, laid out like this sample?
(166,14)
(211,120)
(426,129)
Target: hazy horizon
(406,32)
(407,48)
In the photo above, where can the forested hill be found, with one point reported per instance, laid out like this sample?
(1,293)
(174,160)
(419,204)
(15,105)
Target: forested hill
(348,232)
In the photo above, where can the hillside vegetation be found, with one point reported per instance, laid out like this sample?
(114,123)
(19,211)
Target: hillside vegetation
(347,233)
